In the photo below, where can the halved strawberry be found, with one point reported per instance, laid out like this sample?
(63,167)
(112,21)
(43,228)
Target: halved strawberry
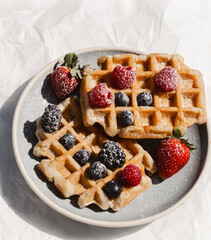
(173,155)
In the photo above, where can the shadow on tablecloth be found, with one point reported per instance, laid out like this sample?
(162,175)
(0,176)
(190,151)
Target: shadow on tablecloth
(25,203)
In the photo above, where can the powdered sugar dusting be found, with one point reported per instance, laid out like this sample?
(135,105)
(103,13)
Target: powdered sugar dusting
(62,82)
(101,96)
(167,79)
(123,77)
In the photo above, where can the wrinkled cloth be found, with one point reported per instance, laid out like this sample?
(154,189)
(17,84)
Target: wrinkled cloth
(32,34)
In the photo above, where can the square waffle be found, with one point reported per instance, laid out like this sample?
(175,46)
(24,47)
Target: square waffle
(174,109)
(72,179)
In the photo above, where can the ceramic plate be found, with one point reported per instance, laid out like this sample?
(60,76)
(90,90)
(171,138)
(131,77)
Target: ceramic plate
(155,202)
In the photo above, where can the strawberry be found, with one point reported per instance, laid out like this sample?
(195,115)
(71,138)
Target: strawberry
(66,78)
(173,155)
(63,83)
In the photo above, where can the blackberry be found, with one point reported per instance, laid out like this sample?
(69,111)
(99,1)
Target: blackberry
(112,155)
(112,189)
(51,119)
(144,99)
(97,170)
(82,156)
(68,141)
(125,118)
(121,99)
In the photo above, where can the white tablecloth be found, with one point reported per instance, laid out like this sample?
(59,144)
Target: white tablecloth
(32,34)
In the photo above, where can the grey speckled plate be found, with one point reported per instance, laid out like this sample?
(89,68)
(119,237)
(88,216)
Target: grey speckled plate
(155,202)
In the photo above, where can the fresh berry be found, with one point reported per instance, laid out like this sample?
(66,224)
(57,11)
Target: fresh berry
(112,155)
(68,141)
(131,175)
(101,96)
(121,99)
(167,79)
(97,170)
(82,156)
(112,189)
(123,77)
(65,79)
(126,118)
(51,119)
(144,99)
(173,155)
(63,82)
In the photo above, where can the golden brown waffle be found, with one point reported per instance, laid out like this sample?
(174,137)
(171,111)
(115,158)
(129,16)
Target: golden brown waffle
(72,179)
(134,155)
(175,109)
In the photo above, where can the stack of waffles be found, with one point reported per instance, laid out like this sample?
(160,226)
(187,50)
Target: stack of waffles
(93,126)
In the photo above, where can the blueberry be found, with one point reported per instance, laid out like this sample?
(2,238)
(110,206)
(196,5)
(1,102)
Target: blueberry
(82,156)
(97,170)
(112,189)
(51,118)
(126,118)
(68,141)
(121,99)
(112,155)
(144,99)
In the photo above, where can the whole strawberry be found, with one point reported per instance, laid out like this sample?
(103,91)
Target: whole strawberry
(63,83)
(173,155)
(66,78)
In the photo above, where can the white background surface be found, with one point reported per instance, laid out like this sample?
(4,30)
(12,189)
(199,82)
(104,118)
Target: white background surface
(32,34)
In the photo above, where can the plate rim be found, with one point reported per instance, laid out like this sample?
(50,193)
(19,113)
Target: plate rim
(44,198)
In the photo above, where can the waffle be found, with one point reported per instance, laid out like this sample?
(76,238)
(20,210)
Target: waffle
(72,179)
(134,155)
(174,109)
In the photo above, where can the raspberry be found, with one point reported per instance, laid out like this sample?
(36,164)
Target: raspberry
(167,79)
(112,155)
(51,119)
(123,77)
(101,96)
(131,175)
(63,83)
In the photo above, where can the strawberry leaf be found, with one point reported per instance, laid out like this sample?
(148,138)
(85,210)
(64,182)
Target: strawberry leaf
(71,60)
(73,72)
(189,145)
(81,70)
(176,133)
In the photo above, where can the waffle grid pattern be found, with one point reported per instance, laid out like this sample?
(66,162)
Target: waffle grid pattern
(176,109)
(72,179)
